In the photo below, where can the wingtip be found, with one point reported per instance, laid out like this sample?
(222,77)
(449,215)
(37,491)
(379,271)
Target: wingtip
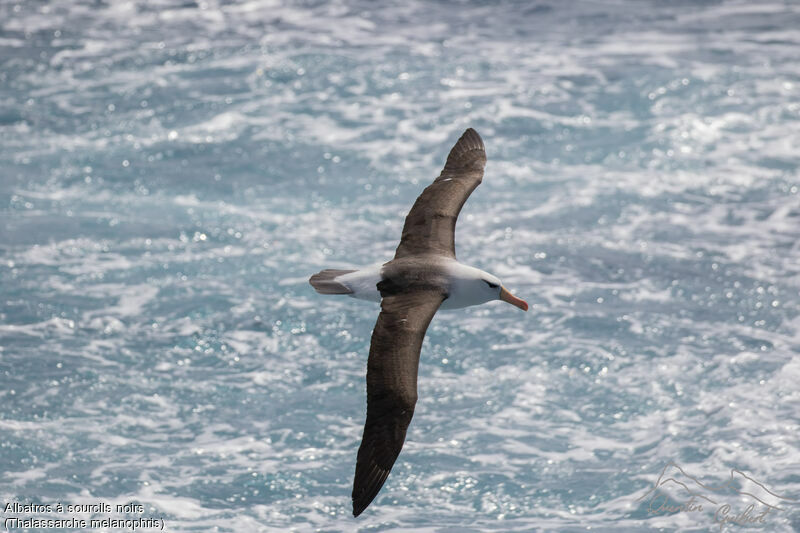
(367,487)
(471,140)
(360,503)
(467,151)
(360,506)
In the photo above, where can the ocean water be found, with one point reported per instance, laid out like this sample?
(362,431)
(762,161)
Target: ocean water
(172,172)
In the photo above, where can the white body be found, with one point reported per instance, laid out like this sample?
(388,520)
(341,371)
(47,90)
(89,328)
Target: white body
(466,285)
(363,283)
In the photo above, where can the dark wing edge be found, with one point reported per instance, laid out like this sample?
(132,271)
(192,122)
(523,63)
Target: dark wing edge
(430,225)
(391,387)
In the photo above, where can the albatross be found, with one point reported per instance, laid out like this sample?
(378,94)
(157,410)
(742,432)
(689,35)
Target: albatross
(423,277)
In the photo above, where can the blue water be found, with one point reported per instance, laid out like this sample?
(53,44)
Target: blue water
(172,172)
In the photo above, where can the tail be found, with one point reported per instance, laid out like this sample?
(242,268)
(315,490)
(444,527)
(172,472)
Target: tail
(325,282)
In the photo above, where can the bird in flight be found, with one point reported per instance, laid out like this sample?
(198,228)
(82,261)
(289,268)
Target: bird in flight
(423,277)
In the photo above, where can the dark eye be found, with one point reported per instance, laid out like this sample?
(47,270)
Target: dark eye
(492,285)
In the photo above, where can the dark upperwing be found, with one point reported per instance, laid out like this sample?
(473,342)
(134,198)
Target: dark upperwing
(431,224)
(391,387)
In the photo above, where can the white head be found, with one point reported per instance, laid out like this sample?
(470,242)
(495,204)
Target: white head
(472,286)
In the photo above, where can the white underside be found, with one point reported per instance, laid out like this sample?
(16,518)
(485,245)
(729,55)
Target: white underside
(363,283)
(464,288)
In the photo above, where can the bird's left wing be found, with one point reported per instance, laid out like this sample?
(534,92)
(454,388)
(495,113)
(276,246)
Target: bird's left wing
(391,387)
(430,226)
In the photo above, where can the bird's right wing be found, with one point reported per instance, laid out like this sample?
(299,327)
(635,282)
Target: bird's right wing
(430,226)
(391,387)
